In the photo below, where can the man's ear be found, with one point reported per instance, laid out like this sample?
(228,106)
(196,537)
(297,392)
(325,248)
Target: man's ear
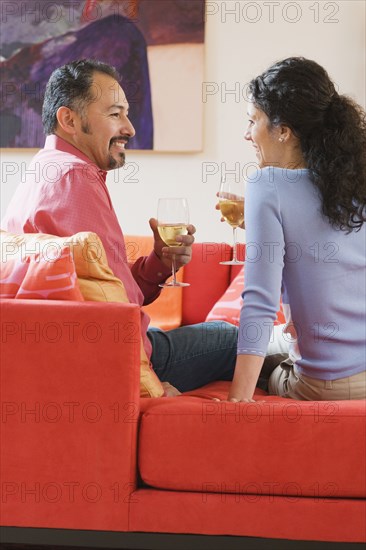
(66,119)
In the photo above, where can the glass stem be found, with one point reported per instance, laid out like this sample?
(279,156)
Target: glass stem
(235,259)
(174,269)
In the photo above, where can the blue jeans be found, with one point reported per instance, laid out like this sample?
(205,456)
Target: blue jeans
(191,356)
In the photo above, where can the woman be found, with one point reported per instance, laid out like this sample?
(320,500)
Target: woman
(304,217)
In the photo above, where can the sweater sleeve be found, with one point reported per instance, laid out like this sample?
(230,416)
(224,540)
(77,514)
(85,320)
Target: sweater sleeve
(263,264)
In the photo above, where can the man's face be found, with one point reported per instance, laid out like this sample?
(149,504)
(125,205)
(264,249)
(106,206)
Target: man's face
(103,128)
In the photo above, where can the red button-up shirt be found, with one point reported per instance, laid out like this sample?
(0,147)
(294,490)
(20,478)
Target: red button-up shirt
(62,192)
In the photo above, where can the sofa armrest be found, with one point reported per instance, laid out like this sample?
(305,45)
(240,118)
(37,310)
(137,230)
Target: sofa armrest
(69,412)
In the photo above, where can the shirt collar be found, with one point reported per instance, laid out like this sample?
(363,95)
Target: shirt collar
(56,142)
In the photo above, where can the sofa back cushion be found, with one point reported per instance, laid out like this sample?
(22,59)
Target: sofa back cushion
(166,311)
(228,307)
(208,280)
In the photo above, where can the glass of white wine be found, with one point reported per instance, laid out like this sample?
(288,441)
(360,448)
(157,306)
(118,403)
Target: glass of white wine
(173,219)
(231,202)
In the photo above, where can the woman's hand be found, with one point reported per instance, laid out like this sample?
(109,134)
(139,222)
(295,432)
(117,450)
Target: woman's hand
(232,197)
(234,400)
(247,370)
(243,400)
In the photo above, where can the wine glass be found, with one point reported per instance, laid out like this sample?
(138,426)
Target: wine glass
(231,202)
(173,219)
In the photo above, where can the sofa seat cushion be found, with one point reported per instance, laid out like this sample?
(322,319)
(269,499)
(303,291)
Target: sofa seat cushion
(214,390)
(278,447)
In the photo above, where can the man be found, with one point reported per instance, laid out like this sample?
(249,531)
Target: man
(85,117)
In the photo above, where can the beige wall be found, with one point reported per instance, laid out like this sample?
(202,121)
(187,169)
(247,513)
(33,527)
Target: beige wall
(238,46)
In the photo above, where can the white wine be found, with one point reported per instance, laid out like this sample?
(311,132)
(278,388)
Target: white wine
(232,211)
(169,231)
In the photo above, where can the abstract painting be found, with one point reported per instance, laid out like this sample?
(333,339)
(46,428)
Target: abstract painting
(157,46)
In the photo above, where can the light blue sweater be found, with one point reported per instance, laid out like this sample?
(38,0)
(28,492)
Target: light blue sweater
(321,271)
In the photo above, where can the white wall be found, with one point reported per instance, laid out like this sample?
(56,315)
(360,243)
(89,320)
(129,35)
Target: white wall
(238,47)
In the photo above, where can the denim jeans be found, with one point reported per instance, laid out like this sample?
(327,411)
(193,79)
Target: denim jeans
(191,356)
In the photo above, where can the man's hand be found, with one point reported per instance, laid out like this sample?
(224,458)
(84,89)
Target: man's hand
(183,253)
(169,390)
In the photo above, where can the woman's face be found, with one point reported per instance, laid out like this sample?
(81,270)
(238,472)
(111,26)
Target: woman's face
(266,140)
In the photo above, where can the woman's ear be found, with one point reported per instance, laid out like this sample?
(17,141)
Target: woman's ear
(66,119)
(285,133)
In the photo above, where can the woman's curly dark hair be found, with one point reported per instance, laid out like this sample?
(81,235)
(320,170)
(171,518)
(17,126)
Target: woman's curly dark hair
(331,128)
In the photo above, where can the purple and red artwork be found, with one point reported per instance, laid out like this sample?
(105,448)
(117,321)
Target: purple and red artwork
(138,37)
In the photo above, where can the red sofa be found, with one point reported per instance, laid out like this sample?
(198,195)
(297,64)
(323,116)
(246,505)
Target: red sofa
(85,461)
